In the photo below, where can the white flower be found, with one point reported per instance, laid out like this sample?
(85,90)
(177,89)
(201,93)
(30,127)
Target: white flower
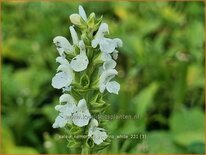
(74,35)
(82,115)
(65,76)
(82,13)
(103,29)
(106,83)
(65,110)
(61,79)
(106,45)
(71,112)
(98,134)
(75,18)
(63,45)
(80,62)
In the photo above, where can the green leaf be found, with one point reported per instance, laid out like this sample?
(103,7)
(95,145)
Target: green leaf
(145,98)
(197,148)
(187,126)
(159,142)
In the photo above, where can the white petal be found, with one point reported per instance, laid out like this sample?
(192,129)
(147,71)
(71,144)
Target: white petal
(99,136)
(105,56)
(61,80)
(79,63)
(107,45)
(61,51)
(118,42)
(103,29)
(82,105)
(107,75)
(59,122)
(82,47)
(67,98)
(115,54)
(65,110)
(81,119)
(62,42)
(62,60)
(82,13)
(113,87)
(102,87)
(74,35)
(82,116)
(109,64)
(75,19)
(95,42)
(92,126)
(94,122)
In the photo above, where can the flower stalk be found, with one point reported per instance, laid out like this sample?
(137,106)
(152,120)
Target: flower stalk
(85,74)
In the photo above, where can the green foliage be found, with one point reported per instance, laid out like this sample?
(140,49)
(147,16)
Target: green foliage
(161,72)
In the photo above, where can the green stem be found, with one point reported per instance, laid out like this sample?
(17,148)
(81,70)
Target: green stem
(85,150)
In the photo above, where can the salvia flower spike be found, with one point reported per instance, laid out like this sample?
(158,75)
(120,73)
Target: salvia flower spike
(85,73)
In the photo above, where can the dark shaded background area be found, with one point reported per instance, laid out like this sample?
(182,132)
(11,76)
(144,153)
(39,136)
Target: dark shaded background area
(161,72)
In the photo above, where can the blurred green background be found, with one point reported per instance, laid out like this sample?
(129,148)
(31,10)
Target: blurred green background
(161,72)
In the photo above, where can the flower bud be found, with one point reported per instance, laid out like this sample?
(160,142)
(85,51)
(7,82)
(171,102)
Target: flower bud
(75,19)
(91,20)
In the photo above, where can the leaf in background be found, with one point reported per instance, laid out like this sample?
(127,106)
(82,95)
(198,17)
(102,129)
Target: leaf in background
(9,147)
(159,142)
(187,126)
(195,76)
(144,99)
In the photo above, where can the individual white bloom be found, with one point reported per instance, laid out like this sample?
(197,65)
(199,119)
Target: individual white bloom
(106,83)
(113,87)
(81,61)
(103,29)
(76,18)
(74,35)
(82,13)
(61,79)
(65,110)
(106,45)
(82,115)
(63,45)
(65,77)
(98,134)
